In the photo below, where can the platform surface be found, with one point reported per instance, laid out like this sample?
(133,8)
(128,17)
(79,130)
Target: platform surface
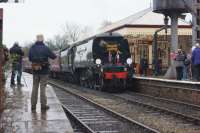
(24,120)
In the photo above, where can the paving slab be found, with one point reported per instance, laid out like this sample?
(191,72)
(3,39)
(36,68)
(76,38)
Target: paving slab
(23,120)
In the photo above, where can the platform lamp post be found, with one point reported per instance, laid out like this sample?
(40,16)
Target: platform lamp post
(1,60)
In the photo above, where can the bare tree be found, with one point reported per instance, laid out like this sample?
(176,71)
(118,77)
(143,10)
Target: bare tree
(58,42)
(50,44)
(61,42)
(105,23)
(72,32)
(27,46)
(86,32)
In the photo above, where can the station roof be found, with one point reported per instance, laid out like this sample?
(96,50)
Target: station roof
(144,18)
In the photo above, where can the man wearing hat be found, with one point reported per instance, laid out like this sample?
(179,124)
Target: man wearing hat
(196,61)
(16,54)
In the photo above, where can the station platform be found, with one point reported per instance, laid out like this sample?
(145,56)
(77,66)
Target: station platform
(177,90)
(24,120)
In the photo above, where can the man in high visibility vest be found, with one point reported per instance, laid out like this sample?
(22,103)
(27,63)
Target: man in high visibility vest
(16,54)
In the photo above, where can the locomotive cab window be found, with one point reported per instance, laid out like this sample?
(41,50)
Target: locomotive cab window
(111,50)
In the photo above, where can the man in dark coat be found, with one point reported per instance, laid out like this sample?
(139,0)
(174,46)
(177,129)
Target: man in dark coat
(16,54)
(196,62)
(38,55)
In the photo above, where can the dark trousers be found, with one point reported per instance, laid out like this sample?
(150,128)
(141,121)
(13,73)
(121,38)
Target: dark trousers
(197,72)
(16,70)
(144,71)
(179,73)
(193,71)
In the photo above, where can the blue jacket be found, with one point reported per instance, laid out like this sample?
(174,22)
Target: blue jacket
(196,56)
(40,53)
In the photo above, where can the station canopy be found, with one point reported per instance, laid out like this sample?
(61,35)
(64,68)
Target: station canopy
(141,19)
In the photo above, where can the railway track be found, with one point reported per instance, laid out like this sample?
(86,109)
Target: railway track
(160,114)
(188,112)
(95,118)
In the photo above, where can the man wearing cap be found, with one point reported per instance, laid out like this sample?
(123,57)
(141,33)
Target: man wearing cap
(16,54)
(39,54)
(196,62)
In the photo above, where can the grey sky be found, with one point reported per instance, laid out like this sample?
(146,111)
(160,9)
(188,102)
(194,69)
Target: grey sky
(23,21)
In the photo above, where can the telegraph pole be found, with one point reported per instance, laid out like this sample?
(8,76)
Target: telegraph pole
(1,60)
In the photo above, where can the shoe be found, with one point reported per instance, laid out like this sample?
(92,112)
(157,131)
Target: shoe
(46,107)
(33,108)
(12,85)
(19,84)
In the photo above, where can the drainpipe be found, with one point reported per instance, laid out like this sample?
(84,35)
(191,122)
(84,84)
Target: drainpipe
(155,44)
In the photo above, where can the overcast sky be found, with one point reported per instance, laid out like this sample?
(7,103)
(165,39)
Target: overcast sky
(23,21)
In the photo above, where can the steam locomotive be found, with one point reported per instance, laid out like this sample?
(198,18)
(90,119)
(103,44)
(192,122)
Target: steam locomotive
(102,62)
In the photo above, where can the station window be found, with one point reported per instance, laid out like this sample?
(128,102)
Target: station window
(198,21)
(198,12)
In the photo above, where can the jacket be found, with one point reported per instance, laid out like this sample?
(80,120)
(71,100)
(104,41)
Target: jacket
(196,56)
(16,54)
(40,53)
(179,60)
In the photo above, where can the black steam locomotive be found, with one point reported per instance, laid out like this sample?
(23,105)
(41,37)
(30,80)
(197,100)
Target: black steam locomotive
(102,62)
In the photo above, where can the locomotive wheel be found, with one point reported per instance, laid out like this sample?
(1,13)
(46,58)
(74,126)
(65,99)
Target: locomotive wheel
(101,85)
(91,84)
(124,84)
(81,82)
(86,84)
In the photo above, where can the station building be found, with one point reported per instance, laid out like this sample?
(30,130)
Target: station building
(139,29)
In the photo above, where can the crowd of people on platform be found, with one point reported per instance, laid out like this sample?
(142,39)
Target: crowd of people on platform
(188,65)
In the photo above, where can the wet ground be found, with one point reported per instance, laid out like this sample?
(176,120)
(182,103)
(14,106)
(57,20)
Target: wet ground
(23,120)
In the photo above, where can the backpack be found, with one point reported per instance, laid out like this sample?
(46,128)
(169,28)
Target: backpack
(187,62)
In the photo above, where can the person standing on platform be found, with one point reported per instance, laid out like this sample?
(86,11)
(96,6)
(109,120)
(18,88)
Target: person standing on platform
(144,66)
(179,64)
(16,54)
(196,62)
(39,54)
(192,66)
(186,63)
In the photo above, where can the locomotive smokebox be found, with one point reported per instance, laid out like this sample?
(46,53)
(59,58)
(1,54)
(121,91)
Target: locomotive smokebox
(170,6)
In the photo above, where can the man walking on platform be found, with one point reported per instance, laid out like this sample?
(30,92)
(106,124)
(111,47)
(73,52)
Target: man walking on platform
(38,55)
(196,62)
(16,54)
